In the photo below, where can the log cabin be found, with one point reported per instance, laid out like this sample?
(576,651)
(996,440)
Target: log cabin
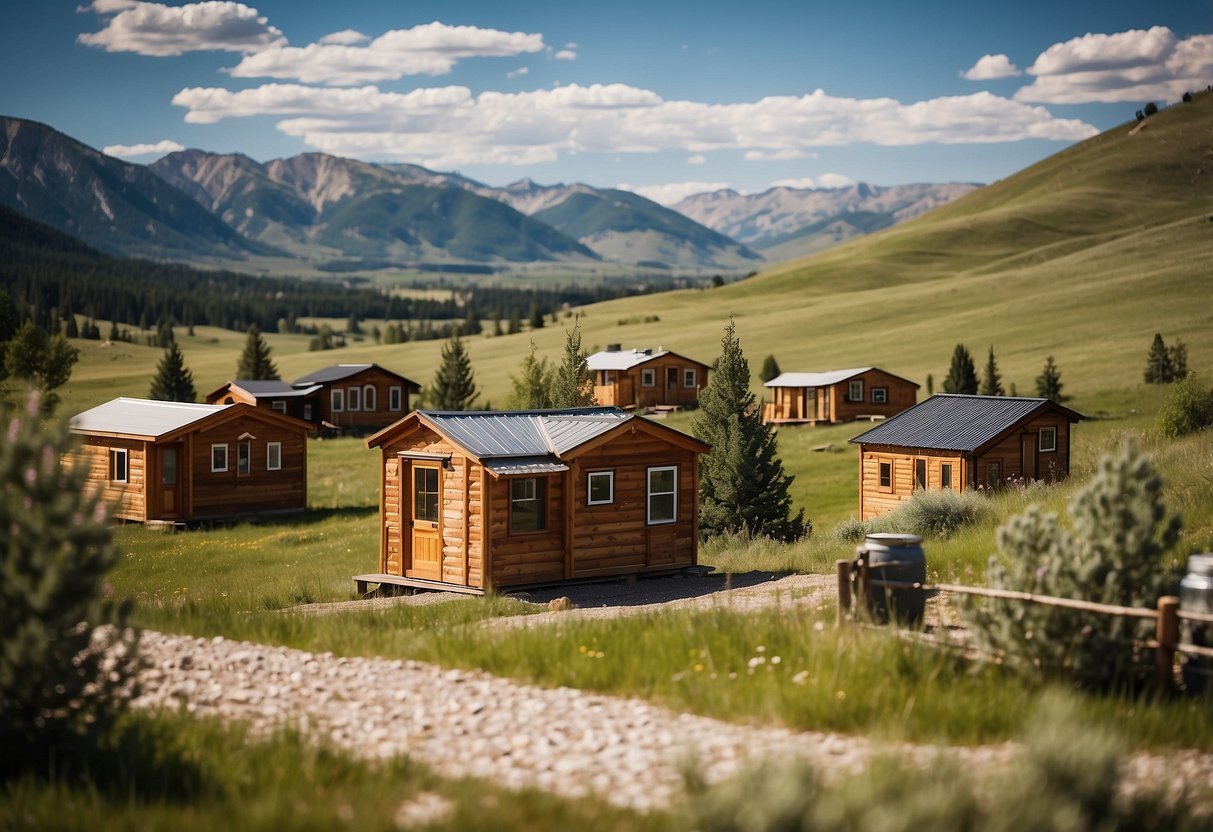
(278,396)
(837,396)
(646,378)
(176,462)
(479,501)
(963,443)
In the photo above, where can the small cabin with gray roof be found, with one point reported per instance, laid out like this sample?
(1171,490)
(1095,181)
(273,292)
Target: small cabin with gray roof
(646,378)
(474,501)
(837,396)
(953,441)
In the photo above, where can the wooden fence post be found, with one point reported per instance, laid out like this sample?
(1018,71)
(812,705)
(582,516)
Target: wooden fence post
(865,578)
(1167,636)
(843,569)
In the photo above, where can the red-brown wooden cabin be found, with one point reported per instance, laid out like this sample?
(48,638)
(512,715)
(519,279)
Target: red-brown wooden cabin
(837,396)
(646,378)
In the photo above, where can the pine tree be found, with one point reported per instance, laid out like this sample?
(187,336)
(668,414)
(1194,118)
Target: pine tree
(1158,363)
(532,387)
(991,381)
(42,363)
(173,382)
(72,330)
(114,335)
(454,387)
(495,317)
(742,484)
(536,319)
(962,375)
(471,322)
(1048,383)
(572,384)
(1178,355)
(515,324)
(255,363)
(930,385)
(770,369)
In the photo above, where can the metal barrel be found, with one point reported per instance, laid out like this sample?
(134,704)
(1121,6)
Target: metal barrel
(1196,595)
(895,557)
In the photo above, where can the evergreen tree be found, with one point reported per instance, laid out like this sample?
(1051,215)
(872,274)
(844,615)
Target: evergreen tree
(572,383)
(41,362)
(532,387)
(495,317)
(770,369)
(991,381)
(515,325)
(9,322)
(742,484)
(255,363)
(1178,355)
(114,335)
(1158,363)
(173,382)
(471,322)
(962,375)
(454,387)
(1048,383)
(72,330)
(536,319)
(930,385)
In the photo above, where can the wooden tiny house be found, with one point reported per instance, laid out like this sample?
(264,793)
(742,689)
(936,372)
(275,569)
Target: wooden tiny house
(278,396)
(168,461)
(962,442)
(837,396)
(480,501)
(646,378)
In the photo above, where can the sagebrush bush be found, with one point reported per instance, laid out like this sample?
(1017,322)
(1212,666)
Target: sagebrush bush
(1187,408)
(67,659)
(927,513)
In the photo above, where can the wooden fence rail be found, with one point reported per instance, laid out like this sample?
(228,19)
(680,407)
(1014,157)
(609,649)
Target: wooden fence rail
(1167,615)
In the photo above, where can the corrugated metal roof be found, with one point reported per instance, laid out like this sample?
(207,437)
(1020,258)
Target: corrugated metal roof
(274,389)
(333,373)
(814,379)
(621,359)
(141,417)
(524,466)
(951,422)
(525,433)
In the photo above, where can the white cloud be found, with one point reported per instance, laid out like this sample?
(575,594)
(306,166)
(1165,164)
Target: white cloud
(1137,65)
(801,184)
(449,127)
(990,67)
(782,155)
(346,37)
(428,49)
(158,30)
(565,55)
(131,151)
(834,180)
(674,192)
(697,159)
(514,73)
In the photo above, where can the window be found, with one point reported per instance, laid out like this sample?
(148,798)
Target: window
(368,398)
(307,412)
(1048,439)
(920,475)
(393,398)
(528,506)
(338,400)
(663,495)
(278,406)
(425,494)
(244,458)
(600,486)
(648,378)
(690,378)
(353,400)
(855,390)
(218,459)
(993,474)
(880,395)
(119,470)
(886,475)
(608,376)
(273,456)
(945,475)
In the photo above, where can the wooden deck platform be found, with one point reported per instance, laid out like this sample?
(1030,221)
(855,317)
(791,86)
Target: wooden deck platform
(362,582)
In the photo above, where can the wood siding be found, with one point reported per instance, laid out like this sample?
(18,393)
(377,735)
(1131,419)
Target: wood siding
(226,494)
(129,496)
(362,419)
(628,389)
(809,405)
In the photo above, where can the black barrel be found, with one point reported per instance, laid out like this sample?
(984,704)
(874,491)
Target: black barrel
(895,557)
(1196,595)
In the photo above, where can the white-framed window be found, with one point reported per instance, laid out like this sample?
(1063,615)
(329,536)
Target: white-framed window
(945,475)
(690,377)
(528,505)
(600,488)
(662,494)
(394,397)
(886,476)
(855,390)
(880,395)
(218,458)
(368,398)
(307,412)
(244,458)
(353,399)
(337,399)
(119,465)
(273,456)
(278,406)
(648,377)
(1047,439)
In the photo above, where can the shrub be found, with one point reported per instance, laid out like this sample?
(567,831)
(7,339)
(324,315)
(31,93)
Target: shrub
(927,513)
(1187,409)
(63,673)
(851,530)
(1115,553)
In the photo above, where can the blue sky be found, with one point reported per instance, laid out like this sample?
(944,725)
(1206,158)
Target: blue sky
(666,98)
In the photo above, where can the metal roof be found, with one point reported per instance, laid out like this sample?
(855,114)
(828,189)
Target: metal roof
(814,379)
(141,417)
(524,466)
(525,433)
(621,359)
(333,373)
(273,389)
(955,422)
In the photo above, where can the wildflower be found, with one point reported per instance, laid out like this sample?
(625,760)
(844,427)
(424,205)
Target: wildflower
(760,649)
(698,668)
(801,677)
(840,695)
(755,662)
(775,660)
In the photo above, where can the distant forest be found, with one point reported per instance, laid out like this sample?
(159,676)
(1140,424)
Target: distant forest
(49,275)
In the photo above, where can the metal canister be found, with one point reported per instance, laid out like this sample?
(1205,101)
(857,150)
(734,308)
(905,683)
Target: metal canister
(899,558)
(1196,595)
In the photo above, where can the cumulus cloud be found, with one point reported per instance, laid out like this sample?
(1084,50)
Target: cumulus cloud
(346,37)
(804,183)
(158,30)
(565,55)
(674,192)
(697,159)
(834,180)
(132,151)
(450,127)
(782,155)
(990,67)
(1137,65)
(428,49)
(514,73)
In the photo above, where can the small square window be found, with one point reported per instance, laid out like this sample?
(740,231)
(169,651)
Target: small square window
(880,395)
(886,475)
(119,469)
(278,406)
(394,398)
(218,459)
(648,378)
(338,400)
(1048,439)
(855,390)
(689,378)
(273,456)
(600,487)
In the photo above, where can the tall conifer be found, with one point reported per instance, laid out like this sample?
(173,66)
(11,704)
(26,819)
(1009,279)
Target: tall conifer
(572,384)
(991,381)
(173,381)
(255,363)
(532,387)
(454,387)
(1048,383)
(1158,362)
(962,375)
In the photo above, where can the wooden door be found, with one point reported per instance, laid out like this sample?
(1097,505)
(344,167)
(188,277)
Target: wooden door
(1029,457)
(425,540)
(169,480)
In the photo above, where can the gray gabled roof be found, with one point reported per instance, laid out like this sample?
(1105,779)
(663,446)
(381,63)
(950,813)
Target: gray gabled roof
(274,389)
(524,433)
(814,379)
(141,417)
(333,373)
(955,422)
(623,360)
